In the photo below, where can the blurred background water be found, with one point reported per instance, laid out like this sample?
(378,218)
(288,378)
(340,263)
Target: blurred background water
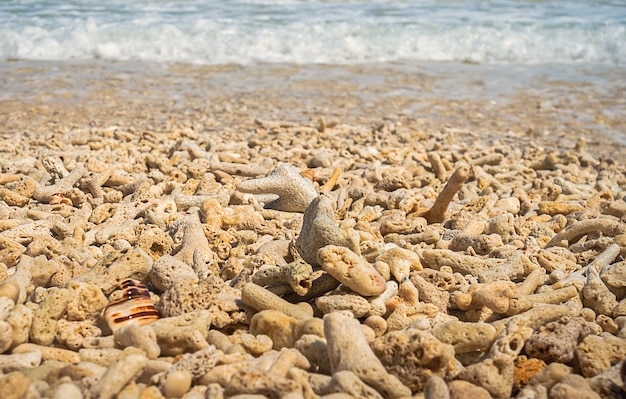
(243,32)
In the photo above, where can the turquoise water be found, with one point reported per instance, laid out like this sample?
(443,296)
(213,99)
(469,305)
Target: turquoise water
(215,32)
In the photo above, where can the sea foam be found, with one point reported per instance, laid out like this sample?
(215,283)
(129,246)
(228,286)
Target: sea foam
(315,31)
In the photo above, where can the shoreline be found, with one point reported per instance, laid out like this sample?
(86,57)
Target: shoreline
(553,105)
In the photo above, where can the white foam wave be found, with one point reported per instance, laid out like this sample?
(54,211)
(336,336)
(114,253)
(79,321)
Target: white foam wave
(160,36)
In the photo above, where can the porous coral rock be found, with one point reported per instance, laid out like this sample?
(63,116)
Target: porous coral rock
(315,349)
(197,364)
(118,375)
(525,369)
(260,299)
(429,293)
(186,295)
(190,240)
(294,192)
(348,383)
(253,381)
(167,271)
(348,350)
(14,385)
(414,356)
(464,336)
(610,383)
(557,340)
(6,336)
(20,319)
(596,354)
(86,303)
(181,334)
(155,241)
(48,313)
(43,269)
(319,230)
(496,375)
(460,389)
(116,267)
(573,386)
(597,296)
(401,261)
(282,329)
(351,270)
(356,304)
(72,333)
(19,361)
(138,336)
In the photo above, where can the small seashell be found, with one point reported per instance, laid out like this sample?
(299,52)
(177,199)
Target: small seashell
(135,306)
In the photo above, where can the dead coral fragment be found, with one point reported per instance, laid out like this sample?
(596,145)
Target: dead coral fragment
(414,356)
(294,192)
(576,230)
(349,350)
(298,275)
(319,230)
(351,270)
(437,212)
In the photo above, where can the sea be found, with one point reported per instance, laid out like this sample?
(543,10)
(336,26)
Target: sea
(243,32)
(561,53)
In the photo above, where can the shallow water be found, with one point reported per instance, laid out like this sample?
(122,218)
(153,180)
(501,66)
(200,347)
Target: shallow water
(316,31)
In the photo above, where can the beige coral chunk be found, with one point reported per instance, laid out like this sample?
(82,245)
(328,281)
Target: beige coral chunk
(20,361)
(143,337)
(14,385)
(347,382)
(556,341)
(294,192)
(356,304)
(464,264)
(437,212)
(86,303)
(47,314)
(401,261)
(351,270)
(118,375)
(460,389)
(49,353)
(282,329)
(349,350)
(194,242)
(116,267)
(596,295)
(495,375)
(465,336)
(184,333)
(319,230)
(260,298)
(252,381)
(13,198)
(167,270)
(596,354)
(573,387)
(414,356)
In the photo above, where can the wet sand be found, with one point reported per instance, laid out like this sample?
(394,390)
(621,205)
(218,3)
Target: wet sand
(551,105)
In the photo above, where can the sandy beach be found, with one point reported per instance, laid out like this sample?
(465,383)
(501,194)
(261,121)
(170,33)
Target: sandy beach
(311,231)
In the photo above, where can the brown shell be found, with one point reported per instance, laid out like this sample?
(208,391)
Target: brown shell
(135,306)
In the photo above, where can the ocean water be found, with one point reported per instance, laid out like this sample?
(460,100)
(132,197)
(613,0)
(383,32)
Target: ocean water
(244,32)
